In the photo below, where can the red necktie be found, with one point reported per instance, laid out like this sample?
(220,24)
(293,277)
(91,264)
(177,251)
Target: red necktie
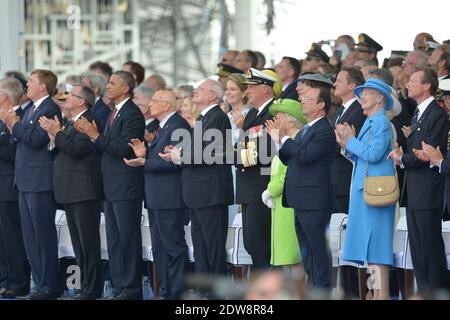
(113,116)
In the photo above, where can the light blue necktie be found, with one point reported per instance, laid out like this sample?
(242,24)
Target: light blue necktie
(305,130)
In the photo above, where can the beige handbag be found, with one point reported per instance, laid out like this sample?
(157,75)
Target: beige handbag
(381,191)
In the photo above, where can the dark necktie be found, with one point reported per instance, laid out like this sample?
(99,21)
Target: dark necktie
(30,113)
(200,117)
(340,111)
(415,117)
(113,116)
(158,131)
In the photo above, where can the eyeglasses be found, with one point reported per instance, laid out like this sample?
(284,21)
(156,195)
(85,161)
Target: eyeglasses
(308,99)
(156,100)
(75,95)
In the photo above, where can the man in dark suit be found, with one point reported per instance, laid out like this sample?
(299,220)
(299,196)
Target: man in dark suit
(14,268)
(34,180)
(350,112)
(77,183)
(308,186)
(341,169)
(207,180)
(425,185)
(288,69)
(164,194)
(99,110)
(253,173)
(123,186)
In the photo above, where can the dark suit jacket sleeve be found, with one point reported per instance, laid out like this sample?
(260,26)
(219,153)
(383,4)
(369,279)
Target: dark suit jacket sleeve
(157,165)
(8,152)
(216,148)
(33,136)
(77,147)
(313,151)
(133,129)
(445,166)
(434,138)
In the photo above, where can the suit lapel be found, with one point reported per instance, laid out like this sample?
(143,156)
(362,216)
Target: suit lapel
(348,114)
(422,118)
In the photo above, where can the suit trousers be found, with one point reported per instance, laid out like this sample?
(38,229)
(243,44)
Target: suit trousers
(311,229)
(159,256)
(37,215)
(83,220)
(14,268)
(427,248)
(123,234)
(209,229)
(170,229)
(256,222)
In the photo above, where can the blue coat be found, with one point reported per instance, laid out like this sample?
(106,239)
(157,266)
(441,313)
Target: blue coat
(370,230)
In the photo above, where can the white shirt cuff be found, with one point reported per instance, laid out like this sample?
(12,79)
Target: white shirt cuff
(283,140)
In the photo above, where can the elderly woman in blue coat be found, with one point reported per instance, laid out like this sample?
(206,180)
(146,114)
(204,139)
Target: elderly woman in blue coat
(370,230)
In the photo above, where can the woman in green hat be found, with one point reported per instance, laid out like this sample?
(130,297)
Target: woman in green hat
(285,249)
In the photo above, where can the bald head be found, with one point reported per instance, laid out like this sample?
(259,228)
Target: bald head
(162,104)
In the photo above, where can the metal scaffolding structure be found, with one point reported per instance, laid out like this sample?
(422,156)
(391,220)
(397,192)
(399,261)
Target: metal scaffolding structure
(66,36)
(182,39)
(178,39)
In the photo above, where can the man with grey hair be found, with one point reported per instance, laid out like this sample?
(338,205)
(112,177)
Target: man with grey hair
(207,180)
(123,186)
(14,268)
(142,97)
(99,109)
(156,82)
(77,182)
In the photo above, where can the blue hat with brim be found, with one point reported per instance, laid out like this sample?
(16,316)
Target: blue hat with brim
(380,86)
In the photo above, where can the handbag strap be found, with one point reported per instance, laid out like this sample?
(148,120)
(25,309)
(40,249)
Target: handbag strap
(392,148)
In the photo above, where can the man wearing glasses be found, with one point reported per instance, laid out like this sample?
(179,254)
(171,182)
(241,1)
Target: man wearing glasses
(77,183)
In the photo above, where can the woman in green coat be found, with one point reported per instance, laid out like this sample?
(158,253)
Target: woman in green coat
(285,249)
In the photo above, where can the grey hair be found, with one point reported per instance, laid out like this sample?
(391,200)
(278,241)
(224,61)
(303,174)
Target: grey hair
(145,91)
(73,79)
(295,122)
(97,81)
(185,90)
(13,88)
(217,88)
(87,94)
(127,79)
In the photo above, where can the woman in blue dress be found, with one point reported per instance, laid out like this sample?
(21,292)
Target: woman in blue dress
(370,230)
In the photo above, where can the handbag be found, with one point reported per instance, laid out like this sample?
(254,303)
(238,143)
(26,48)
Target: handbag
(381,191)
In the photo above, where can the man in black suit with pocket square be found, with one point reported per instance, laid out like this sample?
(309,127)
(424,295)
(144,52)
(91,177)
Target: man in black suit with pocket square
(77,183)
(123,186)
(425,186)
(14,268)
